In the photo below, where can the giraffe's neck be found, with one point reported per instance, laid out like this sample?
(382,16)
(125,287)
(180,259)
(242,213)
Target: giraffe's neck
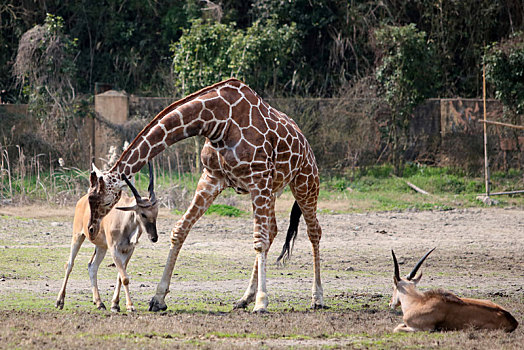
(203,113)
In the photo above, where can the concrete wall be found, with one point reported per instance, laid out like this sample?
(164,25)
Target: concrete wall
(113,106)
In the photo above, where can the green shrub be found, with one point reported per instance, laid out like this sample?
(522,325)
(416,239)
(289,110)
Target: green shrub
(225,210)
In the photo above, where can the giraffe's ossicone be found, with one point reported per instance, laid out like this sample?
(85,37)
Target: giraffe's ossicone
(251,147)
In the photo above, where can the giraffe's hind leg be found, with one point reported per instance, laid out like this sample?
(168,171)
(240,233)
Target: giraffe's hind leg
(306,194)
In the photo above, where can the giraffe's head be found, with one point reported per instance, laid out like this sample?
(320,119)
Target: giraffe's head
(104,192)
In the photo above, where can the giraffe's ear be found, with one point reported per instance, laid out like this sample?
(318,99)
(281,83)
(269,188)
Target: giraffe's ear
(93,179)
(101,184)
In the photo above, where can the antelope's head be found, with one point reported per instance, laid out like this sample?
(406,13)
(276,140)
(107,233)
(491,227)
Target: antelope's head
(401,285)
(146,209)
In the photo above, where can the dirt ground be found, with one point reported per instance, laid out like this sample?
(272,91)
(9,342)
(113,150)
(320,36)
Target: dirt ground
(480,253)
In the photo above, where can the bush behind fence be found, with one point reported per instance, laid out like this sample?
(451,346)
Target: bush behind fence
(344,133)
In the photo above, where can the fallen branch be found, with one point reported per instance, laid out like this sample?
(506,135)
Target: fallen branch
(418,189)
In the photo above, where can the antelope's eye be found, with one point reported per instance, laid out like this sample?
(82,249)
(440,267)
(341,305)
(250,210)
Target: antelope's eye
(144,216)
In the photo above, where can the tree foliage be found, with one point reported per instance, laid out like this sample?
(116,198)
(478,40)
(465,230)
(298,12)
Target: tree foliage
(45,69)
(209,52)
(407,74)
(505,71)
(127,44)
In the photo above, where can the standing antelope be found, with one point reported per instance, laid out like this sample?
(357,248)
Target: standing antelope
(119,231)
(442,310)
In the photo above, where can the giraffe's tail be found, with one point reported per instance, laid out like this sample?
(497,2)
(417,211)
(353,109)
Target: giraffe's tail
(292,232)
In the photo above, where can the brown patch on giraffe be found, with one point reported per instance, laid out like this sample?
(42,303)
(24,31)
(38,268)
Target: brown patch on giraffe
(136,168)
(260,124)
(171,121)
(230,94)
(272,125)
(268,148)
(194,127)
(206,115)
(219,107)
(253,135)
(156,150)
(233,135)
(253,99)
(143,150)
(239,112)
(281,130)
(156,136)
(210,95)
(245,151)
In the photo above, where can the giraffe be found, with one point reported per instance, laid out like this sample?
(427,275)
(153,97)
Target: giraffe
(250,147)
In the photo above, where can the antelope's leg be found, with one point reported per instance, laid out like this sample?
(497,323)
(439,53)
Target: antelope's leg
(250,293)
(306,194)
(92,267)
(115,302)
(129,303)
(207,190)
(76,243)
(403,328)
(121,260)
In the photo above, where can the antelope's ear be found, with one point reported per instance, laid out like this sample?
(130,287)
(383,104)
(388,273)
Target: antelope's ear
(417,278)
(132,208)
(395,280)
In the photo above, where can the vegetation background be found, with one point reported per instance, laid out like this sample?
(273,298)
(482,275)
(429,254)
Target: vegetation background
(325,54)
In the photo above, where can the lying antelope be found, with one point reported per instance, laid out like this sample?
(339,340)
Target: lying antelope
(119,231)
(441,310)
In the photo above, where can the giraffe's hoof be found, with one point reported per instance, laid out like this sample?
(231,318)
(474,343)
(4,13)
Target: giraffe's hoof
(319,307)
(101,307)
(155,305)
(260,311)
(115,308)
(59,304)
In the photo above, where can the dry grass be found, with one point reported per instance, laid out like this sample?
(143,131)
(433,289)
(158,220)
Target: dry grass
(212,272)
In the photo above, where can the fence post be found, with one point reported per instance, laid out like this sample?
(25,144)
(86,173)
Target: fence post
(114,107)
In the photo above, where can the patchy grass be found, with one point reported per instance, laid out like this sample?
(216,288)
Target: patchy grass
(225,210)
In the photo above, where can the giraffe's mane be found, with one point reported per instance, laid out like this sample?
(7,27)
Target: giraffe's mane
(167,110)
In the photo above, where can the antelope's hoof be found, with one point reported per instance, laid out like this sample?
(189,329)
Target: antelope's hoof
(155,305)
(132,309)
(101,307)
(115,308)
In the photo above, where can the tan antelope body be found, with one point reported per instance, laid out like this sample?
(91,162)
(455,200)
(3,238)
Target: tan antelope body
(442,310)
(119,232)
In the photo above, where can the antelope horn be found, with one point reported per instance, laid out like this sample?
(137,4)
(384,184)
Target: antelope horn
(133,189)
(415,269)
(395,262)
(150,188)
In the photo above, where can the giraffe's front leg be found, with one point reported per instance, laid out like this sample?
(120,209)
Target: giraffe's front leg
(251,291)
(207,189)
